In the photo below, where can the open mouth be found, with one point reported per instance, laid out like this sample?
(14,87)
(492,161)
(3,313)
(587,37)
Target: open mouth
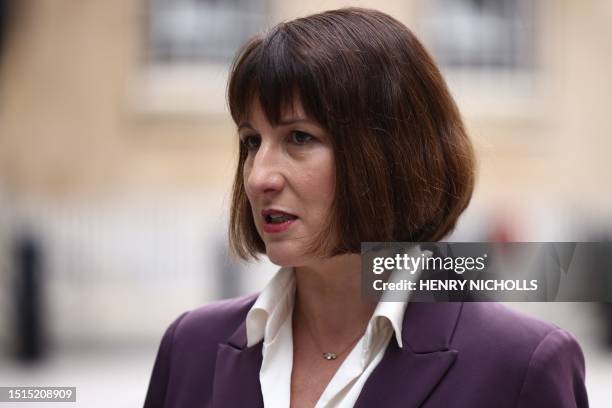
(277,217)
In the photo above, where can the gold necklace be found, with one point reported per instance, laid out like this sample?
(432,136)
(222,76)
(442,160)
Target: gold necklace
(329,355)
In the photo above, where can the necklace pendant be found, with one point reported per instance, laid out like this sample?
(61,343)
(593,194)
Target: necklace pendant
(329,356)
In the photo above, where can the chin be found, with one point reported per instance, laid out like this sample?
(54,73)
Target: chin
(284,255)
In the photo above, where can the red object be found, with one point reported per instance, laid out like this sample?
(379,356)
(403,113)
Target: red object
(274,228)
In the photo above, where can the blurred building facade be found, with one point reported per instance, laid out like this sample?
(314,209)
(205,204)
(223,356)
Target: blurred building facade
(117,151)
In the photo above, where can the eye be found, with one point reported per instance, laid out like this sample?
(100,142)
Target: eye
(300,138)
(251,142)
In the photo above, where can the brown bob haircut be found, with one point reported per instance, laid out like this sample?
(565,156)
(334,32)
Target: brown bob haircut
(404,163)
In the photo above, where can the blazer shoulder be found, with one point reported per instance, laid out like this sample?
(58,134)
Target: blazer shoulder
(506,358)
(214,321)
(497,324)
(555,374)
(543,363)
(188,350)
(508,339)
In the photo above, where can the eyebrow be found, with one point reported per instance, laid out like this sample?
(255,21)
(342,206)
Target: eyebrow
(284,122)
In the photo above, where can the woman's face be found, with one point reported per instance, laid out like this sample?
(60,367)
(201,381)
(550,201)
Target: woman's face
(289,178)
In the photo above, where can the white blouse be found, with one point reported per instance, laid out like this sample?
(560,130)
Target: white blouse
(270,319)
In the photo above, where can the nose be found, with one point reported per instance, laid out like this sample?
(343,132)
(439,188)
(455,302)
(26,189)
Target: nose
(263,175)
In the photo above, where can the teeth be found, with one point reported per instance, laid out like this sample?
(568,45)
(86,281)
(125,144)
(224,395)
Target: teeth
(277,218)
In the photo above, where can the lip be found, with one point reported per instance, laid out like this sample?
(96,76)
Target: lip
(276,228)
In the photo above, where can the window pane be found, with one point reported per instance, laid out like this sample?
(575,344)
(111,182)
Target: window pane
(482,33)
(197,30)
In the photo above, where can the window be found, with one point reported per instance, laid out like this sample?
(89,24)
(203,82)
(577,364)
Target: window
(482,34)
(201,30)
(188,47)
(487,51)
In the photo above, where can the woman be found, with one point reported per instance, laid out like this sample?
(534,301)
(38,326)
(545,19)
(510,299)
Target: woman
(348,134)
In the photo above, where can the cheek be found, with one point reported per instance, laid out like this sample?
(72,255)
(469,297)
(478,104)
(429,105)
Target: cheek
(327,177)
(246,171)
(319,187)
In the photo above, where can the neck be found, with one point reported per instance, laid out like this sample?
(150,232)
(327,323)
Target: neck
(328,296)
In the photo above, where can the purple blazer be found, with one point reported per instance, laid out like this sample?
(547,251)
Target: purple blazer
(454,355)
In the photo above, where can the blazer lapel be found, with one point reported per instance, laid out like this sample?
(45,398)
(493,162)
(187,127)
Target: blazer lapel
(236,381)
(406,376)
